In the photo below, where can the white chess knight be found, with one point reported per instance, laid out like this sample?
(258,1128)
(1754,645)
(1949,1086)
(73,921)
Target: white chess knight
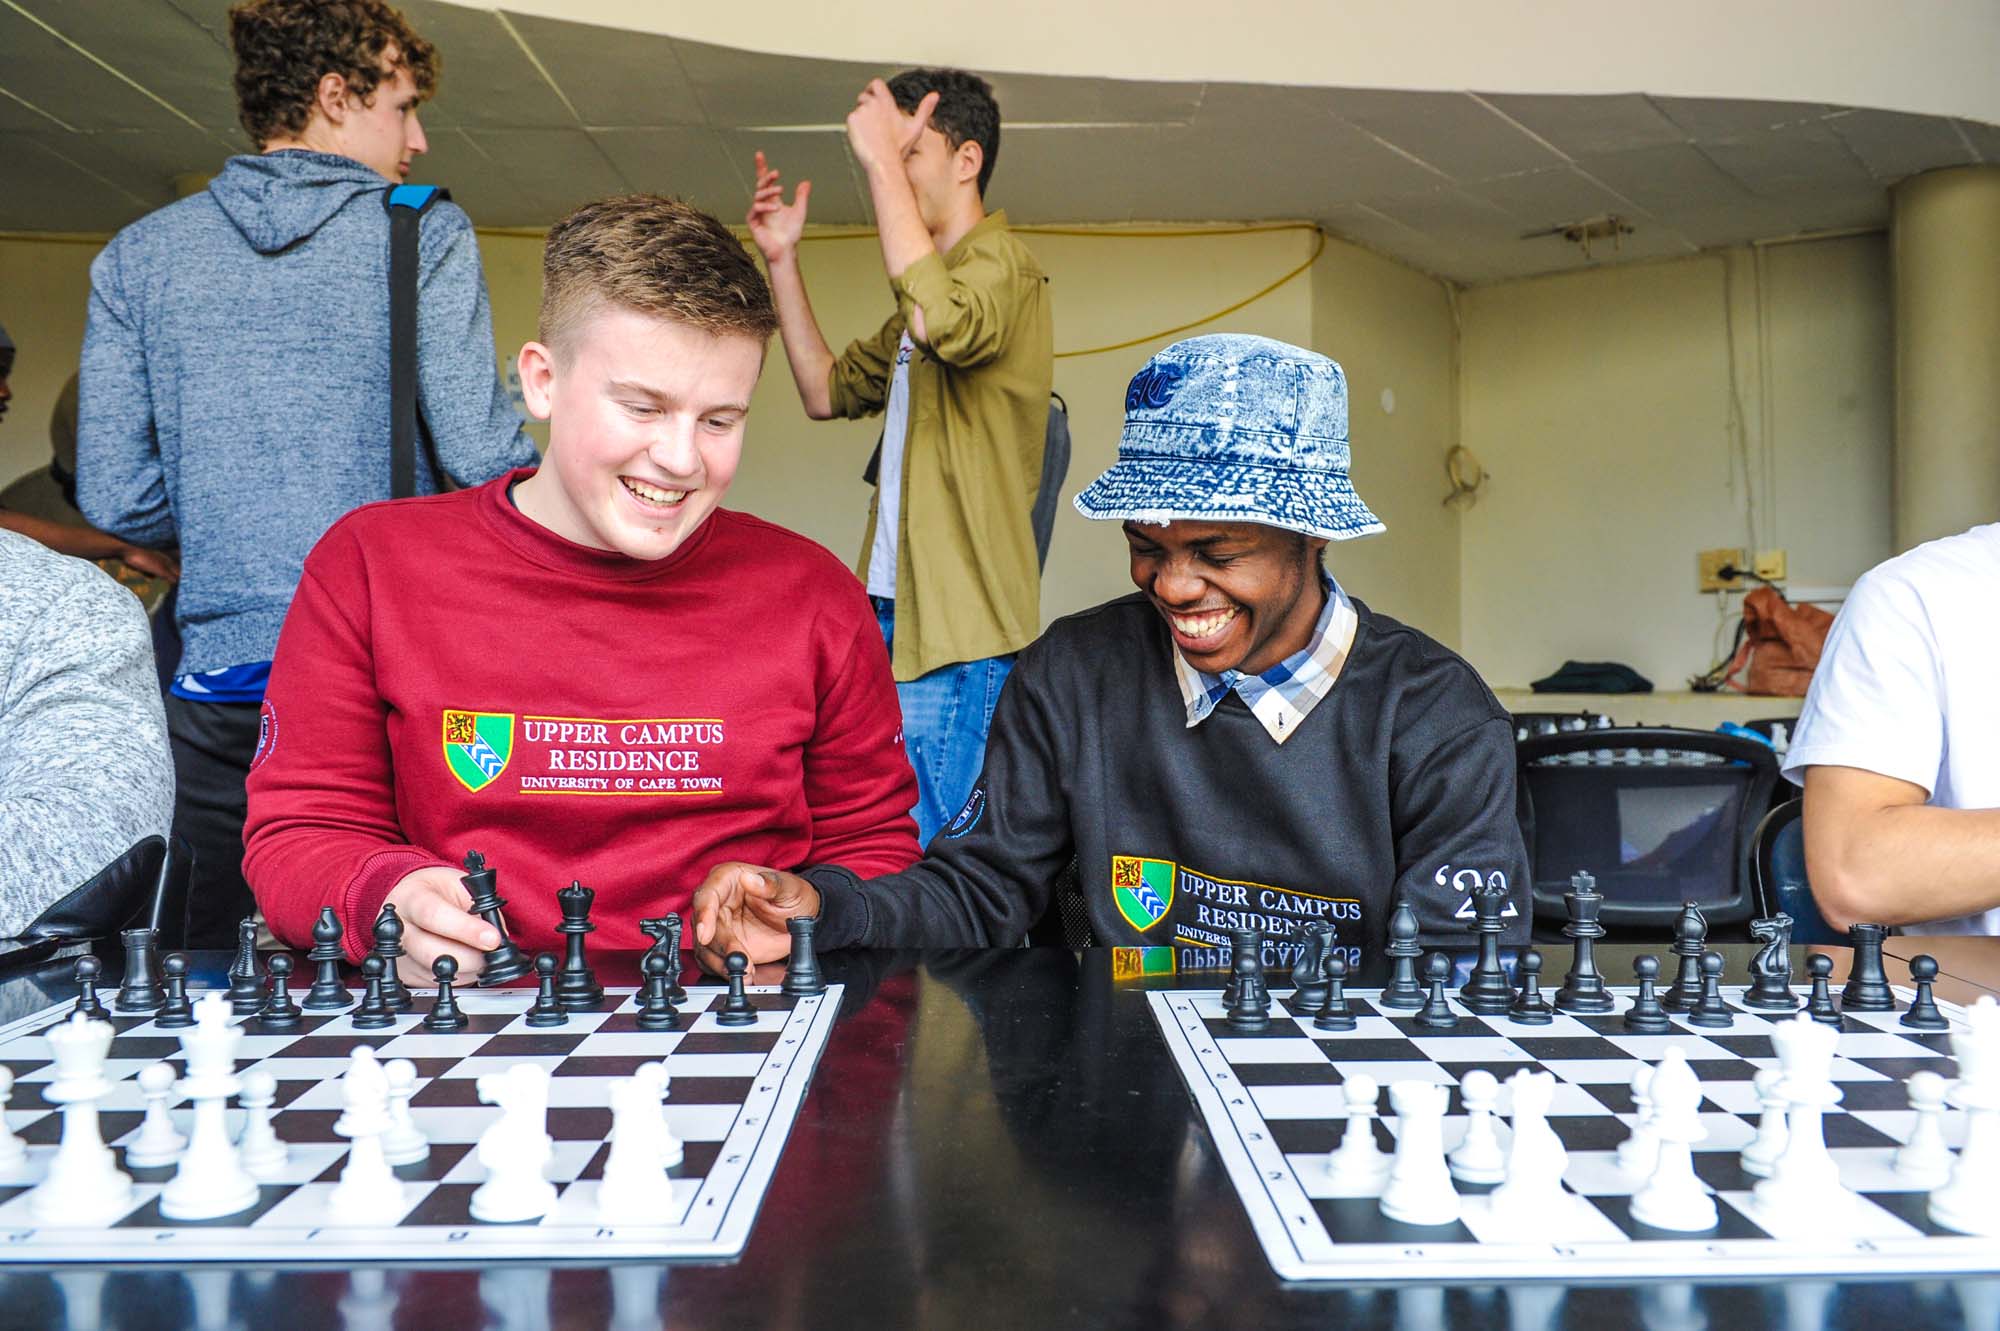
(636,1189)
(1673,1198)
(1969,1202)
(369,1191)
(1804,1183)
(211,1181)
(1419,1191)
(1533,1193)
(516,1147)
(84,1185)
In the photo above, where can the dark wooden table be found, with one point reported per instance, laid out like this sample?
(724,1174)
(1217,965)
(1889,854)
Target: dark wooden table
(993,1140)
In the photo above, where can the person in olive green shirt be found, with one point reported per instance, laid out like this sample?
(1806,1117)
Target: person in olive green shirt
(961,372)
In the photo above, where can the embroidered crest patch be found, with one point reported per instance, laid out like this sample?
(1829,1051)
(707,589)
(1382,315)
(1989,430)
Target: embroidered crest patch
(477,746)
(1142,889)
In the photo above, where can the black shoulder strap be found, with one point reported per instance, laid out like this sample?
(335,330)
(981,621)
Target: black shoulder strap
(406,205)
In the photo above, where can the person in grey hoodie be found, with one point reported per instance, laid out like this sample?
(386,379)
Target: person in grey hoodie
(235,390)
(84,771)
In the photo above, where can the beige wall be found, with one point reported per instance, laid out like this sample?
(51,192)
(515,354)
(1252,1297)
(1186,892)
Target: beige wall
(44,287)
(1603,405)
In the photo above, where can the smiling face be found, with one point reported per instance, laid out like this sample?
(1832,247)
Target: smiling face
(382,132)
(646,419)
(1235,595)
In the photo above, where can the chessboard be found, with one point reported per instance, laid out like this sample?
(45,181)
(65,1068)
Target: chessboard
(734,1094)
(1272,1101)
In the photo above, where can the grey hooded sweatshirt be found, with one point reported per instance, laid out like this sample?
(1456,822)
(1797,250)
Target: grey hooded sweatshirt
(235,394)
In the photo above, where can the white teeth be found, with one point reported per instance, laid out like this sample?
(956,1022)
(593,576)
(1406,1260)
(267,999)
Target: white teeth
(1203,626)
(653,494)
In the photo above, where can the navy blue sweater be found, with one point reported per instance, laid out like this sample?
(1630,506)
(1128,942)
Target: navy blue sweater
(235,382)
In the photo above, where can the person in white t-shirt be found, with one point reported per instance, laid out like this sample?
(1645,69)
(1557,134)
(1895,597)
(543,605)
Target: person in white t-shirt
(1898,746)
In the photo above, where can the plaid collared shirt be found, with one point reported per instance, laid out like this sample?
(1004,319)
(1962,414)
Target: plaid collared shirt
(1281,697)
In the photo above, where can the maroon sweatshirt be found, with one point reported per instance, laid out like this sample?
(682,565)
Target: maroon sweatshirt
(453,676)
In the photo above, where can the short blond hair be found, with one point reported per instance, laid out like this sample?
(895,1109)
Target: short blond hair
(658,256)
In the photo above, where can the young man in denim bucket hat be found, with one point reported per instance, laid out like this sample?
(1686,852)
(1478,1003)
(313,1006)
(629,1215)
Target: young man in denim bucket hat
(1240,744)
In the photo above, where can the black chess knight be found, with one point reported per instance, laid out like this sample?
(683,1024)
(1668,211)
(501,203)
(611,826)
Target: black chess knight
(1771,969)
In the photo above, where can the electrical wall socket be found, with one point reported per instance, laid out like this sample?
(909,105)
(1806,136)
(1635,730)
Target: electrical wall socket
(1708,565)
(1770,565)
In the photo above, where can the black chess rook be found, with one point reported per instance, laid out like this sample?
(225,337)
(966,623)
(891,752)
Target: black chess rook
(1867,988)
(802,973)
(140,990)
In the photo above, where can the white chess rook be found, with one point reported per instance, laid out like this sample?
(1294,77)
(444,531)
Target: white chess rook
(1419,1191)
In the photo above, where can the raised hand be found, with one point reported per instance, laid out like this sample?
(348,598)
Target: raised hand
(436,922)
(878,130)
(775,225)
(743,908)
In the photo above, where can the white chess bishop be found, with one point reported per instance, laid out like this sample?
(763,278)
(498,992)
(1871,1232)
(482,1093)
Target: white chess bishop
(84,1184)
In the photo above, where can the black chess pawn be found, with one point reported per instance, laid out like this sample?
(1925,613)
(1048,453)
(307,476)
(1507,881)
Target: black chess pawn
(444,1014)
(1403,991)
(656,1003)
(1529,1008)
(1251,1012)
(328,990)
(1334,1014)
(1867,988)
(140,990)
(506,962)
(88,1004)
(374,1010)
(389,946)
(575,984)
(548,1008)
(1923,1014)
(246,978)
(1437,1014)
(1711,1011)
(1646,1016)
(279,1013)
(1690,942)
(178,1010)
(1820,1005)
(737,1009)
(1583,987)
(802,974)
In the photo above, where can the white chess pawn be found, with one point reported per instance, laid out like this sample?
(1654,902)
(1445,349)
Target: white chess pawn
(1762,1153)
(84,1184)
(1673,1198)
(159,1142)
(369,1193)
(1357,1166)
(1478,1158)
(1419,1191)
(404,1143)
(1970,1201)
(211,1181)
(1924,1160)
(262,1152)
(1640,1152)
(12,1149)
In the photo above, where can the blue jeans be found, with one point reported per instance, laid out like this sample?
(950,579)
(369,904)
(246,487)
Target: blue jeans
(945,718)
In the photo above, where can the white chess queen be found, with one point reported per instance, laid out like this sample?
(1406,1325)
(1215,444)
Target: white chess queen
(84,1185)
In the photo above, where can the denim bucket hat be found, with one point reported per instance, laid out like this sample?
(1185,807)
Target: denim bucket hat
(1235,428)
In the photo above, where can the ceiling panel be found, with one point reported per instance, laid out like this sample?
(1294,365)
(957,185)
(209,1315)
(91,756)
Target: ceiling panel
(17,114)
(1061,175)
(1665,178)
(1445,213)
(1043,99)
(1708,224)
(551,171)
(613,77)
(1585,126)
(477,183)
(38,68)
(1538,199)
(143,162)
(1456,134)
(819,156)
(684,161)
(156,46)
(1984,138)
(1892,146)
(1706,118)
(51,194)
(486,81)
(1805,158)
(738,88)
(1283,145)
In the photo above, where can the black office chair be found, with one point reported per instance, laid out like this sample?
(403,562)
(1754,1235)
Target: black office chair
(1548,723)
(1676,825)
(146,885)
(1066,920)
(1780,861)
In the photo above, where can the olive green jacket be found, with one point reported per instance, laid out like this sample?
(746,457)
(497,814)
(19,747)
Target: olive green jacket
(968,584)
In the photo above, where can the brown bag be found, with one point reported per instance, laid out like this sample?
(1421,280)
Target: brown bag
(1780,644)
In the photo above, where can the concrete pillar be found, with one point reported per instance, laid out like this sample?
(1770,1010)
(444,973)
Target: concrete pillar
(1945,244)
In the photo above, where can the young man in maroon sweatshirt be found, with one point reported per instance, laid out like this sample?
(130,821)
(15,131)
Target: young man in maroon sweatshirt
(587,671)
